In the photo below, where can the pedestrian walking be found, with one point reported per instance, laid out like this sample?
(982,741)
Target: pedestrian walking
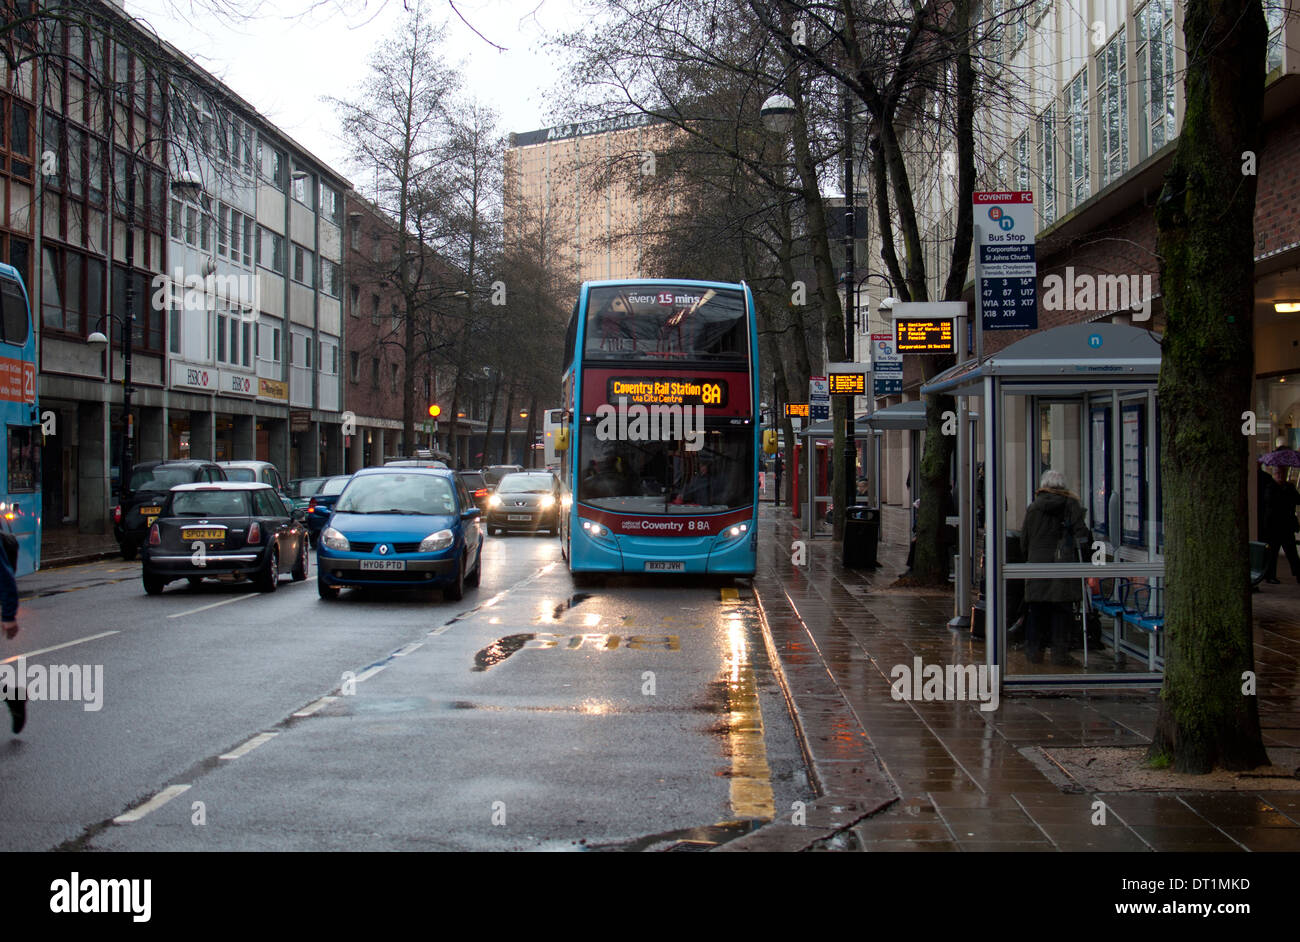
(16,699)
(1054,532)
(780,470)
(1280,522)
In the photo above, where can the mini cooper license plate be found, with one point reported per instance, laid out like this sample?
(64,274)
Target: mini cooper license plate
(203,534)
(384,565)
(664,565)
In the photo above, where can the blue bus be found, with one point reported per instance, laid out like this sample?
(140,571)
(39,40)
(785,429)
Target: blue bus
(659,454)
(20,499)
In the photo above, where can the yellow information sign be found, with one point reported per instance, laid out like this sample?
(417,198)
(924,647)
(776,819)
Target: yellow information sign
(924,335)
(847,384)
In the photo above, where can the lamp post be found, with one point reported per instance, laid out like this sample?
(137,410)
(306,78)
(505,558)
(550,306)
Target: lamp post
(187,183)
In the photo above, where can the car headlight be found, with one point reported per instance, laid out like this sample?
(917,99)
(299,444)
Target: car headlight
(335,540)
(437,541)
(547,501)
(494,501)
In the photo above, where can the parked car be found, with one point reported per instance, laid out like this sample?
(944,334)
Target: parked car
(301,490)
(262,471)
(147,489)
(321,504)
(525,500)
(495,472)
(477,486)
(401,528)
(233,530)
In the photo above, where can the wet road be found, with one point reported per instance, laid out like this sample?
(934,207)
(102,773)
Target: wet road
(637,715)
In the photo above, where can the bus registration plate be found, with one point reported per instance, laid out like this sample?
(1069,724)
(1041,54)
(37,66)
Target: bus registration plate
(664,565)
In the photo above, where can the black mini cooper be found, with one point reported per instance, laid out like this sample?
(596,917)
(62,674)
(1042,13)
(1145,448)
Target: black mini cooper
(231,530)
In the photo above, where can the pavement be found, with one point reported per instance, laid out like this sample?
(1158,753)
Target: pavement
(66,546)
(912,775)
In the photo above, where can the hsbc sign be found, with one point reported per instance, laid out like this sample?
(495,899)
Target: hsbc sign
(198,378)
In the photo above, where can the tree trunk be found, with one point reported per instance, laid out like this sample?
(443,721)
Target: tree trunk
(1205,241)
(529,451)
(505,430)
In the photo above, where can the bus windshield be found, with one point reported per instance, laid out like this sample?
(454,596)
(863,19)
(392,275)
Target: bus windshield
(666,322)
(662,477)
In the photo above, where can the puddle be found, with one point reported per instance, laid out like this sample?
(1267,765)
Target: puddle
(499,650)
(576,599)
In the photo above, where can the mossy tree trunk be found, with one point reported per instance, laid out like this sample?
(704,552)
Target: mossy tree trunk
(1205,240)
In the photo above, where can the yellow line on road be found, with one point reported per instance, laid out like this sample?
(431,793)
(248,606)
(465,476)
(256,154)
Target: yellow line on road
(751,779)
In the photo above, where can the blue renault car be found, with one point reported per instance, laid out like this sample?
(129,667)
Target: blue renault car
(408,528)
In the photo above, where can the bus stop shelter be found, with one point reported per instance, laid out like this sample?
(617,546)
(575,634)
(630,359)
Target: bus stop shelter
(1080,399)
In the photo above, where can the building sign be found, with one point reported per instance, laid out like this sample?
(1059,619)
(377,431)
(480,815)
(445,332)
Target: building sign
(654,391)
(886,365)
(796,410)
(198,378)
(17,380)
(238,384)
(819,399)
(1006,272)
(565,131)
(273,389)
(299,420)
(933,335)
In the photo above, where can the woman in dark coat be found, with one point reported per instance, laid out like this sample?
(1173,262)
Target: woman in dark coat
(1054,512)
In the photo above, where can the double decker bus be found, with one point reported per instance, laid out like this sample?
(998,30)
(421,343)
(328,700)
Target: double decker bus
(659,457)
(20,461)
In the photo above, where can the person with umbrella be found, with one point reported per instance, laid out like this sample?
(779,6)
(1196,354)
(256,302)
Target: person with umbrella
(1279,509)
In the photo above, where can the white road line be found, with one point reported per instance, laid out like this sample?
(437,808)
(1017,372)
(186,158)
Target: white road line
(153,804)
(371,672)
(66,644)
(438,631)
(204,608)
(408,648)
(249,746)
(311,708)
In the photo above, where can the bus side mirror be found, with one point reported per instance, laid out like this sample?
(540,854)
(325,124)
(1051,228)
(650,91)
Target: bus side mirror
(561,439)
(769,441)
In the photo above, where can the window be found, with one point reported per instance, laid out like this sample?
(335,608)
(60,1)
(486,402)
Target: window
(330,277)
(1020,155)
(354,365)
(1155,67)
(331,206)
(374,372)
(1274,14)
(223,217)
(304,265)
(300,187)
(270,250)
(354,299)
(1112,94)
(374,310)
(272,164)
(306,346)
(354,232)
(1047,164)
(1076,109)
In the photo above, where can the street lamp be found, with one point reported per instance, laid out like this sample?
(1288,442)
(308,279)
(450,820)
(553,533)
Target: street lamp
(186,184)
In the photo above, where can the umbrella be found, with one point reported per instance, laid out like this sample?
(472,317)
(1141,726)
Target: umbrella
(1286,457)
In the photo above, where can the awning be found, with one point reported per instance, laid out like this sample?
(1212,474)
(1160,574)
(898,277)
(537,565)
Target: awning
(1082,352)
(904,416)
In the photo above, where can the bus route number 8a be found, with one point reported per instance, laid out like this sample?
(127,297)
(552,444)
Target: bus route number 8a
(712,394)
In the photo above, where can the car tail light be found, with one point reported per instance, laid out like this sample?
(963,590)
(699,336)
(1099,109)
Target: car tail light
(255,533)
(117,514)
(154,538)
(311,505)
(481,492)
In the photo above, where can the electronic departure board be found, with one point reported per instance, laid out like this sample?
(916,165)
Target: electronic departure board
(847,384)
(924,335)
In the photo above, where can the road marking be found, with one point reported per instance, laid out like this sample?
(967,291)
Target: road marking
(66,644)
(751,779)
(249,746)
(311,708)
(153,804)
(408,648)
(730,594)
(438,631)
(204,608)
(370,672)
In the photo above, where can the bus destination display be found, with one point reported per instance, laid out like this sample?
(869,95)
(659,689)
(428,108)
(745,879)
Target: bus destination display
(924,335)
(676,391)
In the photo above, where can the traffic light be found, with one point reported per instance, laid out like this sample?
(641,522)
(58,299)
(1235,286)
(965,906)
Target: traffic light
(435,411)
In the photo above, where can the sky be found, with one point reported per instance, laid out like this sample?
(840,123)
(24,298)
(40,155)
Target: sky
(283,61)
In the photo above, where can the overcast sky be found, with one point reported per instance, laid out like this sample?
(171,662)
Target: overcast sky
(283,65)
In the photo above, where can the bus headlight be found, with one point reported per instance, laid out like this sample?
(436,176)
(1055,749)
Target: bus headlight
(597,530)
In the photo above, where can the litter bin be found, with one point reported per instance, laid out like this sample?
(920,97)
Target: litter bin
(861,537)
